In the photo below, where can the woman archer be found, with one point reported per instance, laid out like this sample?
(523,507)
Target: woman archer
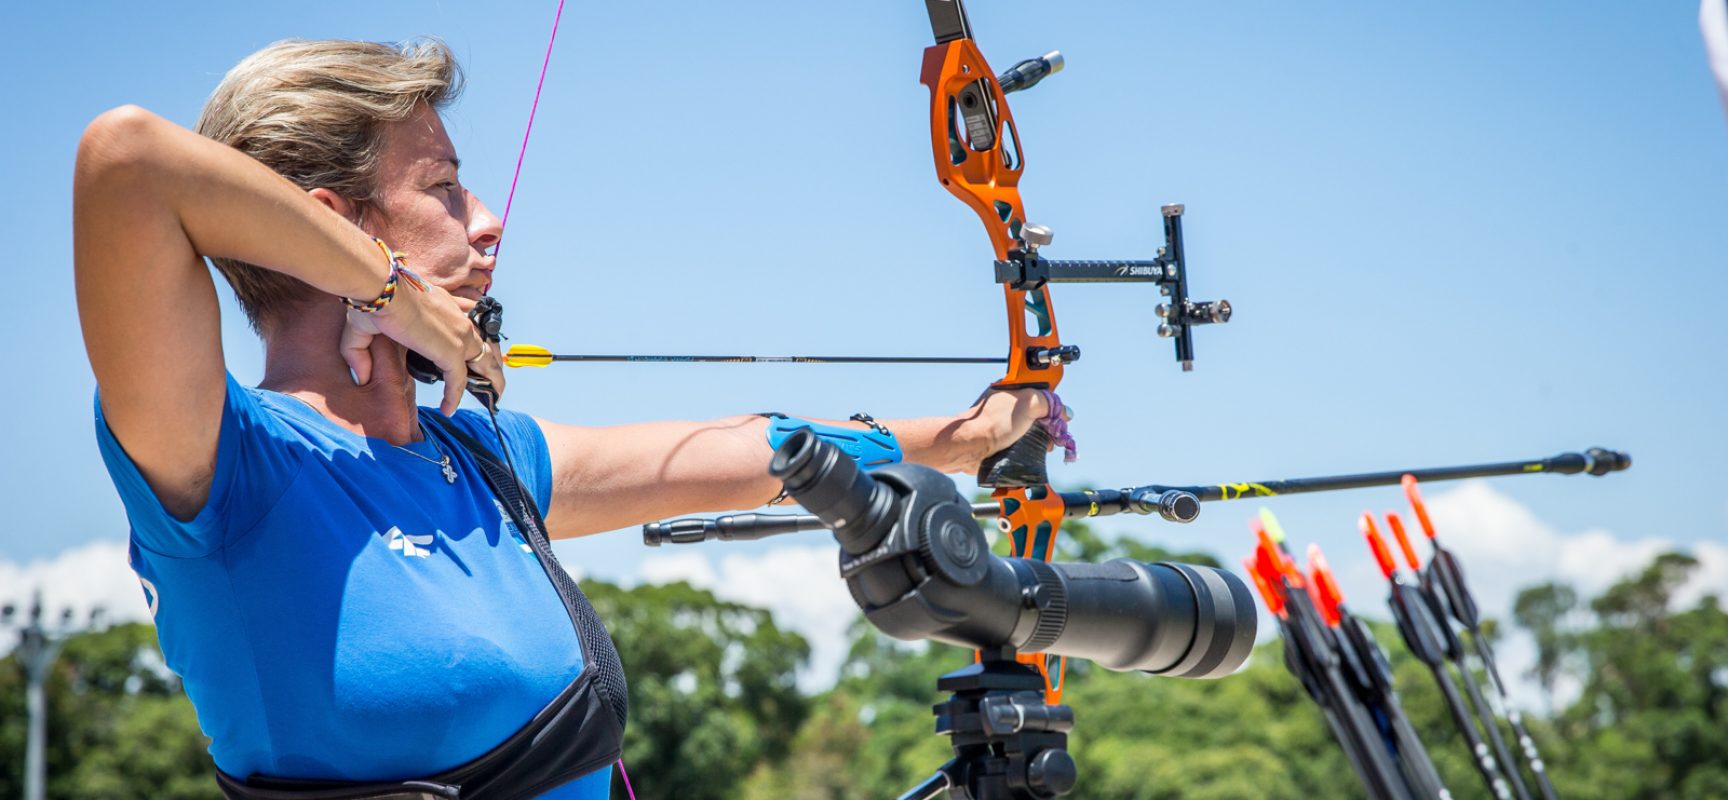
(346,598)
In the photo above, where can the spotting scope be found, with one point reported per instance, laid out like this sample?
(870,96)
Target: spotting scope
(919,567)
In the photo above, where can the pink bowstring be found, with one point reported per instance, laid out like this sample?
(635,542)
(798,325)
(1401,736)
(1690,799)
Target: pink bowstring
(1055,423)
(510,199)
(523,155)
(623,772)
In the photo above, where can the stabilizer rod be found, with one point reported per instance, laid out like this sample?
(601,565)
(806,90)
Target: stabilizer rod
(1595,461)
(1173,503)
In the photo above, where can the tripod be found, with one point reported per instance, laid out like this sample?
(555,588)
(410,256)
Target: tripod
(1008,745)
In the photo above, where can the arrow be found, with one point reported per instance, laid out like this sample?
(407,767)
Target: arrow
(527,355)
(1432,642)
(1313,654)
(1444,575)
(1374,687)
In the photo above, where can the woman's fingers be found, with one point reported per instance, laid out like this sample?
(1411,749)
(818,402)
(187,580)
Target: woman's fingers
(1013,412)
(357,350)
(455,380)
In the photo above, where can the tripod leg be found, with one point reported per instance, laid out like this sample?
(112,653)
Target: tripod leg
(932,786)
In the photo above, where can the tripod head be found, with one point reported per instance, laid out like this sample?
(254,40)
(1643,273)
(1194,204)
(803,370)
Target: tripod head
(1007,742)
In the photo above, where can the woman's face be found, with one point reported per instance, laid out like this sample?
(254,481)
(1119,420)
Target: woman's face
(422,209)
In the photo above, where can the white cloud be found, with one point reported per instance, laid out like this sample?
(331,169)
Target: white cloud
(81,578)
(1712,575)
(682,565)
(1510,548)
(800,585)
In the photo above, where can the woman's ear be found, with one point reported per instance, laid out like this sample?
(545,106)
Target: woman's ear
(349,209)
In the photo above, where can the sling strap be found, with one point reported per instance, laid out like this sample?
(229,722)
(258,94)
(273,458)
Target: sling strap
(597,646)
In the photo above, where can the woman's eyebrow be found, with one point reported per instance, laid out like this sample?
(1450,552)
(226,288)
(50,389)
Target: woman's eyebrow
(435,162)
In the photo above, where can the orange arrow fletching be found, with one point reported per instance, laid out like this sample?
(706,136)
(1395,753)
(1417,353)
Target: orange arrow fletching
(1397,526)
(1277,562)
(527,355)
(1266,565)
(1324,587)
(1388,567)
(1415,496)
(1274,601)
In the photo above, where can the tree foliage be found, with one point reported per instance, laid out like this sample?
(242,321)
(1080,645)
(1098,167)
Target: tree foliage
(119,727)
(713,687)
(1640,682)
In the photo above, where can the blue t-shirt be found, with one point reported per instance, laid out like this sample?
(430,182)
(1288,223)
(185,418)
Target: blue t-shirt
(338,610)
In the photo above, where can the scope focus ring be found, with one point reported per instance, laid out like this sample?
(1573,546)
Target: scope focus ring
(1053,614)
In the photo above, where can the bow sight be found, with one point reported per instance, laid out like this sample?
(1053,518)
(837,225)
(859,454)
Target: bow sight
(983,168)
(919,568)
(1026,270)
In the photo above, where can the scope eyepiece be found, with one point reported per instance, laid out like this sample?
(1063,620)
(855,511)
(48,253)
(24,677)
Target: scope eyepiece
(827,483)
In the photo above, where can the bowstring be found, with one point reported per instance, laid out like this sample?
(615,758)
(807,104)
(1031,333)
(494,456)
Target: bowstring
(509,199)
(515,177)
(522,155)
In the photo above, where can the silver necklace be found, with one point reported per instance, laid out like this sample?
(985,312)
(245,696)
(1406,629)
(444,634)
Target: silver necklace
(443,459)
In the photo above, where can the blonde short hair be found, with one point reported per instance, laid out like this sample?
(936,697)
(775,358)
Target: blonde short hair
(315,111)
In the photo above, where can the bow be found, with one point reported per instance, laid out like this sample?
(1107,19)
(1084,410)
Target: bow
(976,149)
(977,155)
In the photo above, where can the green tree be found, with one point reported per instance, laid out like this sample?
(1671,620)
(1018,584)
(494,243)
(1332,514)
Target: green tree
(1543,610)
(118,725)
(1652,717)
(713,687)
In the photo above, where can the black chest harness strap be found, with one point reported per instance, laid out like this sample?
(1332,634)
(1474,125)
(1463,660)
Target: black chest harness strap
(580,731)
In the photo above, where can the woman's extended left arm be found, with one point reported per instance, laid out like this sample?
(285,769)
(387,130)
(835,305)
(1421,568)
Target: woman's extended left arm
(616,477)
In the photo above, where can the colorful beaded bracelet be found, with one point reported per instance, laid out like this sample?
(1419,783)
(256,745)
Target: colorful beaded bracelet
(398,271)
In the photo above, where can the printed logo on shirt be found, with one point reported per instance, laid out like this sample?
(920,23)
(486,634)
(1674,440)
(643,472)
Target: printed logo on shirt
(508,525)
(409,544)
(150,595)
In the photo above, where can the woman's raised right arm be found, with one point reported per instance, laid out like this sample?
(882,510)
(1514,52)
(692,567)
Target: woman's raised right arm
(150,199)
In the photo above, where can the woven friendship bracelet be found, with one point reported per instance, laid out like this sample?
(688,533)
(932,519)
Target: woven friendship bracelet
(398,271)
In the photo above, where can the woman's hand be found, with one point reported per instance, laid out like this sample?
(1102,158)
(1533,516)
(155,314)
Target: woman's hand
(998,420)
(429,321)
(489,366)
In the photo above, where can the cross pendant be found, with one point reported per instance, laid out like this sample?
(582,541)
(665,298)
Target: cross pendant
(449,471)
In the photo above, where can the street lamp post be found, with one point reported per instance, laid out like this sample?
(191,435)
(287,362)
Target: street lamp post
(38,646)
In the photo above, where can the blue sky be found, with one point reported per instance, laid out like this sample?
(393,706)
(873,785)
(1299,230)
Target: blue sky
(1456,232)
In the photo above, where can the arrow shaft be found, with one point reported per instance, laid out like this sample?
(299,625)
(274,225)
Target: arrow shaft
(1532,756)
(1491,726)
(700,359)
(1484,761)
